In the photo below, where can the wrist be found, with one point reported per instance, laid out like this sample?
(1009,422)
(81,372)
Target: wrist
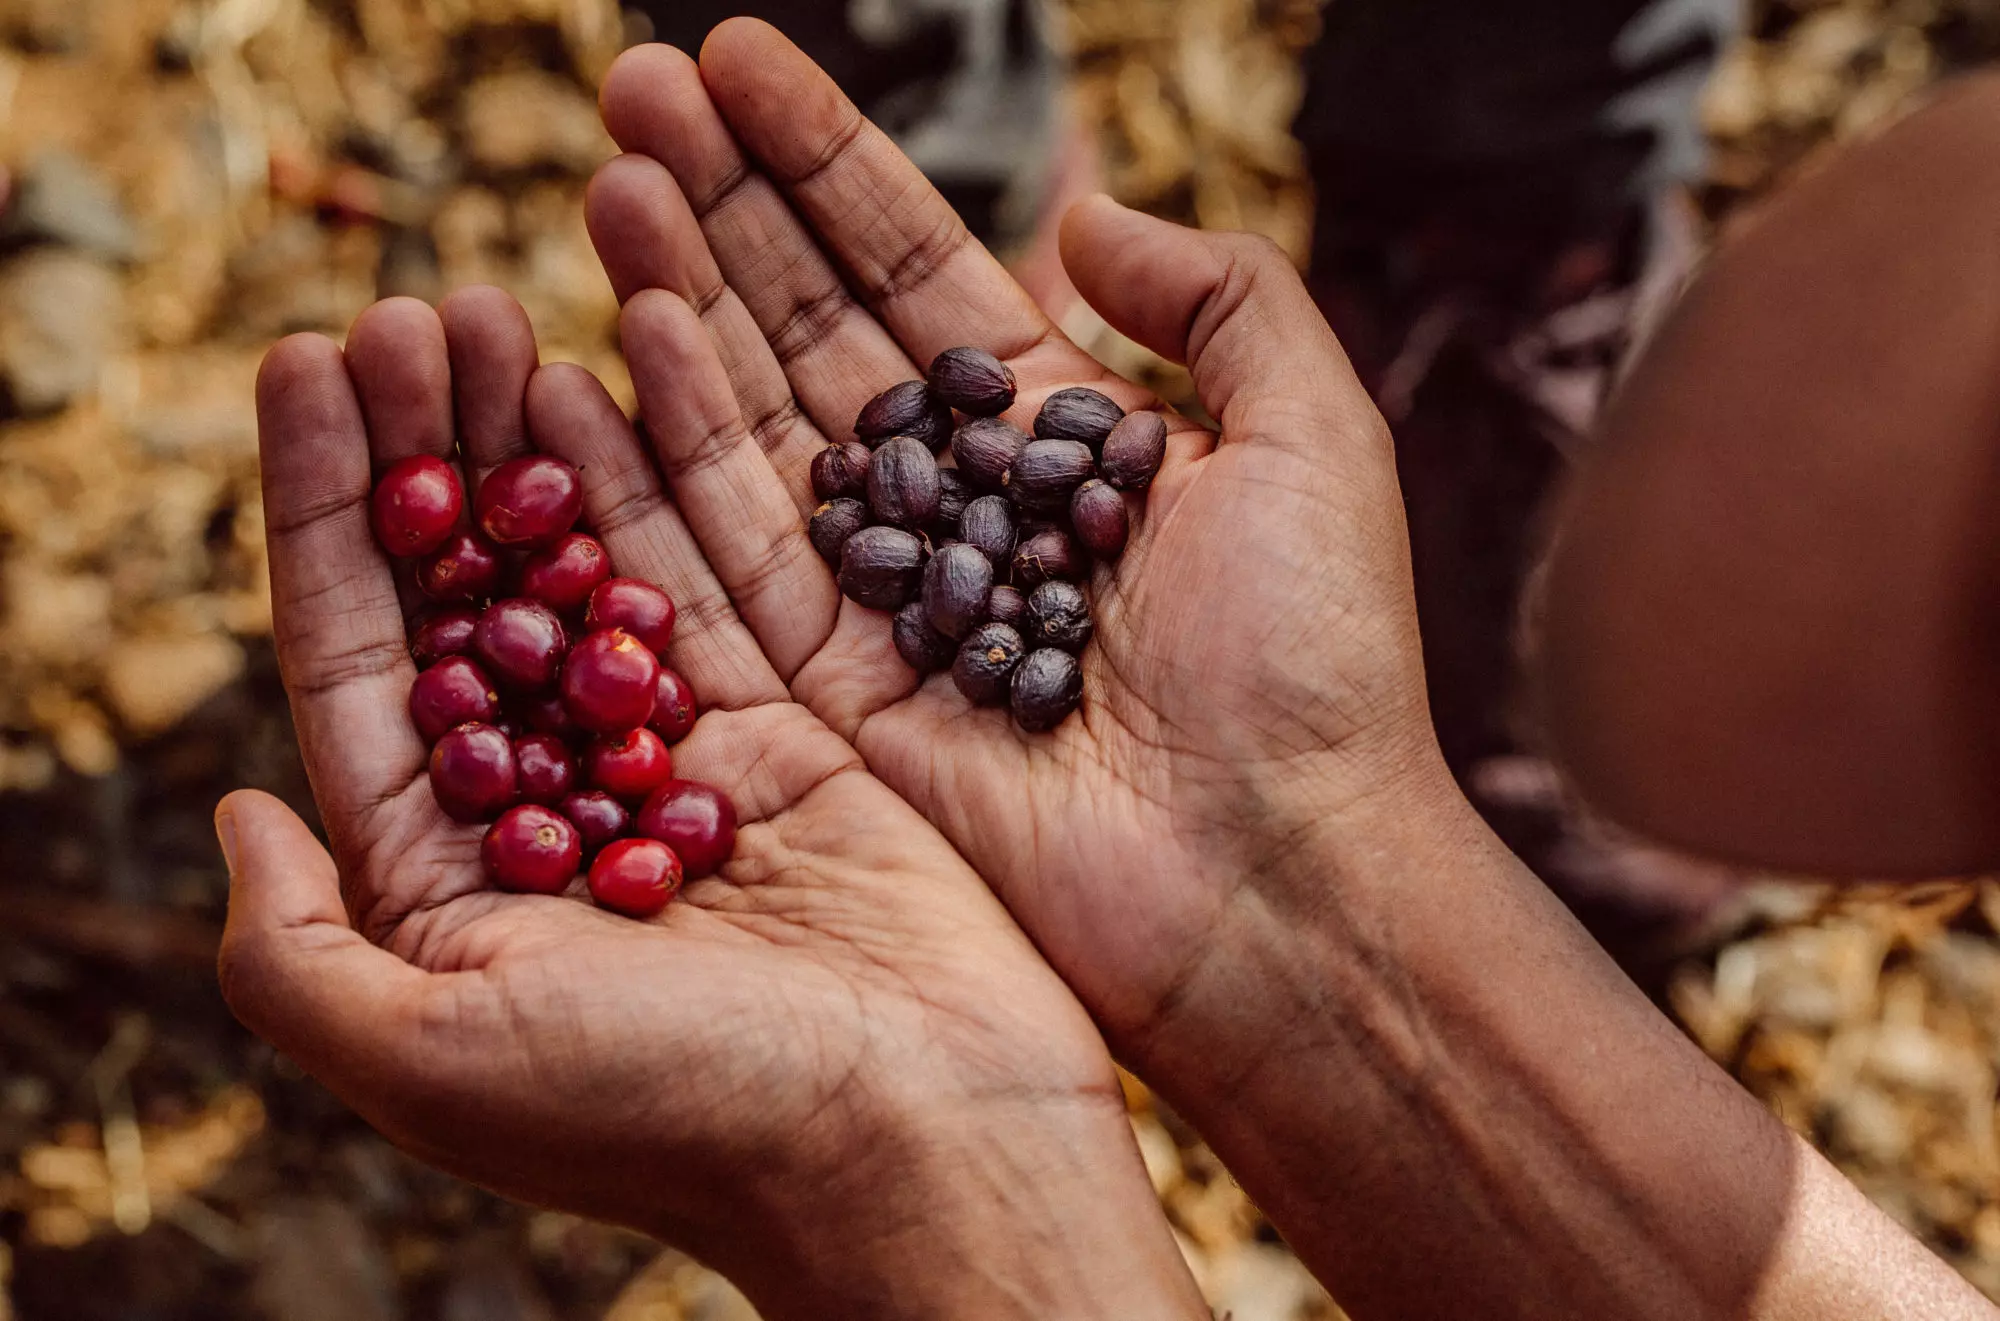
(1030,1207)
(1410,1054)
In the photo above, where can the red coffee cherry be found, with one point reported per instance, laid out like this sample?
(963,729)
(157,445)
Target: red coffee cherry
(529,501)
(674,710)
(466,567)
(631,767)
(446,633)
(521,643)
(548,715)
(532,849)
(416,505)
(472,773)
(695,820)
(598,817)
(610,683)
(636,877)
(451,693)
(564,574)
(545,769)
(640,608)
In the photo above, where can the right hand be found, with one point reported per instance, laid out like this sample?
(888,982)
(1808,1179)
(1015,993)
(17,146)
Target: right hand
(1257,677)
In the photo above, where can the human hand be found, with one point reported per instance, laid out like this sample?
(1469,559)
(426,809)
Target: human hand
(822,1072)
(1256,677)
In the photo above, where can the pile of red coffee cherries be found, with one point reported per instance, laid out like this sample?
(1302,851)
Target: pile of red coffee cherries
(541,691)
(983,562)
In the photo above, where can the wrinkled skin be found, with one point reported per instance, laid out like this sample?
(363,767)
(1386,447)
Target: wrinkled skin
(1257,657)
(844,997)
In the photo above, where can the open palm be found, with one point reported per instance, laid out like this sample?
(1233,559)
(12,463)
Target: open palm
(846,983)
(1256,654)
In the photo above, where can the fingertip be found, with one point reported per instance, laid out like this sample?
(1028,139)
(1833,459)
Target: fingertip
(640,225)
(478,305)
(735,40)
(626,97)
(295,362)
(392,323)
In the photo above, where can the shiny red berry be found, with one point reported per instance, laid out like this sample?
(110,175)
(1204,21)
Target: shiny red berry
(446,633)
(451,693)
(673,708)
(563,575)
(529,501)
(631,767)
(546,770)
(532,849)
(416,505)
(598,817)
(610,683)
(548,715)
(636,877)
(640,608)
(521,643)
(466,567)
(472,773)
(697,821)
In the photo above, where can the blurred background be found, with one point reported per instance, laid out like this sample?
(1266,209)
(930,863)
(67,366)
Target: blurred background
(189,181)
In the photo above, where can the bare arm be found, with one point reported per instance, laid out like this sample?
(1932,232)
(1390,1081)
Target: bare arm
(1453,1104)
(1771,620)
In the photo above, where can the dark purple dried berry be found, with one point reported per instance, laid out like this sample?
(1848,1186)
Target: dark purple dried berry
(1078,414)
(882,568)
(905,410)
(922,647)
(1046,688)
(957,583)
(985,449)
(832,524)
(1058,616)
(903,487)
(841,472)
(1007,606)
(1102,524)
(988,523)
(1048,555)
(1048,473)
(1134,451)
(973,381)
(954,494)
(986,662)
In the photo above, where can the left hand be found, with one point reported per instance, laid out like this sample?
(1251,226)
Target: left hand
(822,1071)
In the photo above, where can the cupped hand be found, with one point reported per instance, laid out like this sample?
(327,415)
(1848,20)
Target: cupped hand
(780,1072)
(1256,675)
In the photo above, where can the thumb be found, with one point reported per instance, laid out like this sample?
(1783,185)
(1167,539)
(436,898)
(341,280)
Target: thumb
(1233,309)
(292,967)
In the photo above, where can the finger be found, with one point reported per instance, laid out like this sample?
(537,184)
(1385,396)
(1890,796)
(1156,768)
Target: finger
(492,354)
(293,969)
(915,264)
(733,502)
(334,607)
(571,416)
(647,238)
(1233,309)
(833,354)
(402,376)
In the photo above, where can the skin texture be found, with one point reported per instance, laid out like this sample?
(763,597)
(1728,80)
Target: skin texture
(1245,856)
(844,1017)
(1770,626)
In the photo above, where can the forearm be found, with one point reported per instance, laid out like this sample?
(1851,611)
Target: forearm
(1038,1213)
(1452,1103)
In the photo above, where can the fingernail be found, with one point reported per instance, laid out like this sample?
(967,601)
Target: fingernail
(225,832)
